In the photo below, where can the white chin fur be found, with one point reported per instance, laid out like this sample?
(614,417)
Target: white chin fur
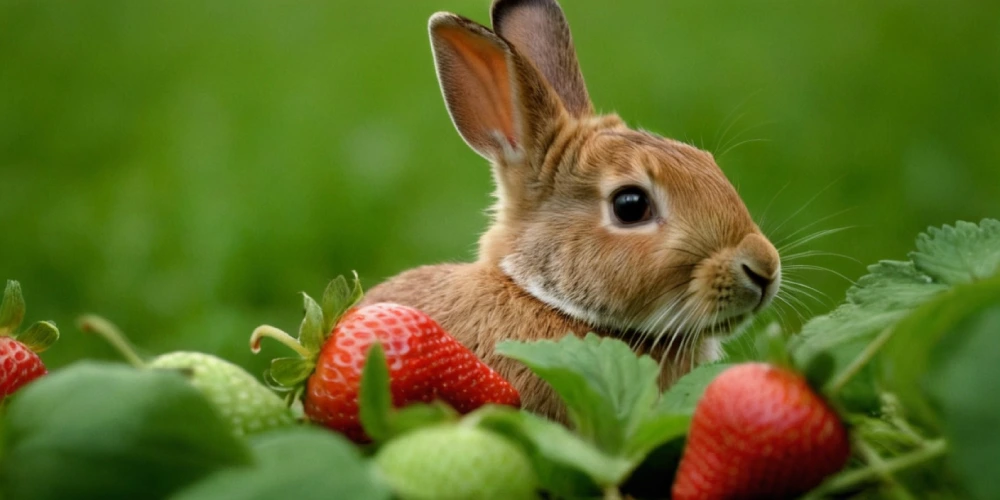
(710,349)
(535,288)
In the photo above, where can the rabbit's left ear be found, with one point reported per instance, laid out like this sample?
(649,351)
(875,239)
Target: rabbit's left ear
(538,31)
(498,101)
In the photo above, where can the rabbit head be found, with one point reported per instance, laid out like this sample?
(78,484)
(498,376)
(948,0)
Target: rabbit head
(625,230)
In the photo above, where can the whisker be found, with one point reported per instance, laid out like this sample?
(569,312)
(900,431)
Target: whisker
(809,267)
(793,298)
(763,215)
(738,144)
(811,224)
(814,236)
(816,253)
(807,203)
(795,287)
(790,306)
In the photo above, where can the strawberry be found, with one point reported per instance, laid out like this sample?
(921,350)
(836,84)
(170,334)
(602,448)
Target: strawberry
(465,462)
(19,361)
(759,431)
(425,363)
(244,403)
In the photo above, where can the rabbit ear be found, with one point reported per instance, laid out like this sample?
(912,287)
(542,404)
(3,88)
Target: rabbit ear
(539,31)
(499,103)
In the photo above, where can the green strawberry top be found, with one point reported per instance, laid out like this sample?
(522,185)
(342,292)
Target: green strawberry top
(39,336)
(246,404)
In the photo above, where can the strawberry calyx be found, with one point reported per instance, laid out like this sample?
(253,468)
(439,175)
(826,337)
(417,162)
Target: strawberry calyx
(39,336)
(288,374)
(817,371)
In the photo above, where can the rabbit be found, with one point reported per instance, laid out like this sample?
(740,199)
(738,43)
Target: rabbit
(596,227)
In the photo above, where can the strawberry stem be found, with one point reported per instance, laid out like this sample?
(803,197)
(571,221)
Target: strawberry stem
(277,334)
(859,362)
(612,493)
(852,479)
(877,463)
(92,323)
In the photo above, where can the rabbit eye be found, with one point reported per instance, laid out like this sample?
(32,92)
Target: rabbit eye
(631,205)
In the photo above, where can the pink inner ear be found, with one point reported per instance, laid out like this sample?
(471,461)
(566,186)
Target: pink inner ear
(479,87)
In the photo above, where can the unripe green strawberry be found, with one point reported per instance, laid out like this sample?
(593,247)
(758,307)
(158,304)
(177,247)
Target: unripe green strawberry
(245,403)
(455,462)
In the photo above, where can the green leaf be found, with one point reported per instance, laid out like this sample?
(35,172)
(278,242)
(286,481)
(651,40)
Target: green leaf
(12,308)
(302,463)
(290,372)
(607,389)
(338,297)
(415,416)
(655,431)
(556,450)
(961,254)
(880,299)
(375,398)
(971,416)
(95,430)
(312,332)
(39,336)
(906,357)
(683,396)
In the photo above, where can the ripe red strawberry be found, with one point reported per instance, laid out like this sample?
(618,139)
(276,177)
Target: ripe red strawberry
(759,432)
(425,363)
(19,361)
(18,366)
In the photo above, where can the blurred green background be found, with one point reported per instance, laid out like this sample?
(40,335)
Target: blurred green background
(185,168)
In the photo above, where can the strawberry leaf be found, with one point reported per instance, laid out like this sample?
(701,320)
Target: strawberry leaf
(338,297)
(607,389)
(891,290)
(380,420)
(311,331)
(289,372)
(923,336)
(39,336)
(555,449)
(971,420)
(683,396)
(98,430)
(656,430)
(12,308)
(375,399)
(880,299)
(417,415)
(964,253)
(295,463)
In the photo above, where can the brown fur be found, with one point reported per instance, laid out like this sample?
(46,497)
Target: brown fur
(555,261)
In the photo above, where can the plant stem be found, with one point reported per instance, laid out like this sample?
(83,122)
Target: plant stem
(612,493)
(92,323)
(858,363)
(878,465)
(277,334)
(934,449)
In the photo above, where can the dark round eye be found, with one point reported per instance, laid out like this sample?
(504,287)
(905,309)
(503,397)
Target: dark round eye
(631,205)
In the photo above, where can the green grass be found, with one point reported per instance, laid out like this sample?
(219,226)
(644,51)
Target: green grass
(185,168)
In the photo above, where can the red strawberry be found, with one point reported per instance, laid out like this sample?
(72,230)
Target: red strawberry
(19,363)
(18,366)
(759,432)
(425,363)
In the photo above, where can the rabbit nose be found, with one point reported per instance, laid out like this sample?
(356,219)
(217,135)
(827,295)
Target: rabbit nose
(758,267)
